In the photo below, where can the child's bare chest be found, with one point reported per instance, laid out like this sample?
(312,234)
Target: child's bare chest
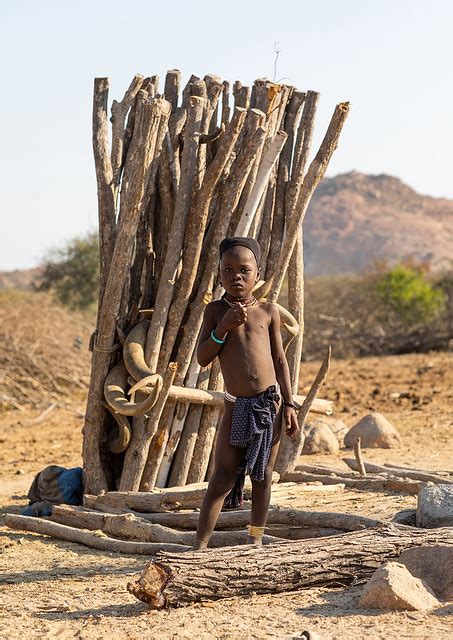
(255,329)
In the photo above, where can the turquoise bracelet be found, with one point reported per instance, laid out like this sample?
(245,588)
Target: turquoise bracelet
(214,337)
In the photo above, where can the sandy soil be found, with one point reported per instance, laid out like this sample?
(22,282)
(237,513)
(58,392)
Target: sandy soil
(61,590)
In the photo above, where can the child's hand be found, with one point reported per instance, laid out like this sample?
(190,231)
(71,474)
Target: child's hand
(290,421)
(234,317)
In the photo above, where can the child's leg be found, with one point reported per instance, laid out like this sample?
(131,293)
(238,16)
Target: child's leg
(227,460)
(261,489)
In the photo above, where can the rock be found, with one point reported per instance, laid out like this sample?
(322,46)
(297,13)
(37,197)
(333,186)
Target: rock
(434,566)
(393,587)
(405,516)
(374,430)
(319,439)
(338,427)
(435,506)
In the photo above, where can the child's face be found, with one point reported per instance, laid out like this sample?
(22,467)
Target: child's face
(238,271)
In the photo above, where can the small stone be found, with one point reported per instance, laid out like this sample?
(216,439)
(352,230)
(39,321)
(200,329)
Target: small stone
(319,439)
(393,587)
(435,506)
(374,431)
(405,516)
(433,565)
(338,427)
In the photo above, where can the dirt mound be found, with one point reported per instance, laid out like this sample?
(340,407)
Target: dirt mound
(44,357)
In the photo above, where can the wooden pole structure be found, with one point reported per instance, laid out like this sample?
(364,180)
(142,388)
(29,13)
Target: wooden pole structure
(182,172)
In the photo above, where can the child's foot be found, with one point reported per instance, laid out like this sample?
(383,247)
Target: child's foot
(200,545)
(255,541)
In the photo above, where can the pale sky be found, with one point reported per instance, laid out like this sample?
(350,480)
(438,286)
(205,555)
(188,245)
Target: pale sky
(391,58)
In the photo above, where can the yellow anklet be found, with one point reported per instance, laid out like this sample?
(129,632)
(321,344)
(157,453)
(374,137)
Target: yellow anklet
(255,532)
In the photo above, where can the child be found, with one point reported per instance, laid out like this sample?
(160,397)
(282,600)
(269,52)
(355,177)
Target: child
(245,335)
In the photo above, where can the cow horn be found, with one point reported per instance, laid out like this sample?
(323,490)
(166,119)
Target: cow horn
(134,351)
(115,392)
(118,439)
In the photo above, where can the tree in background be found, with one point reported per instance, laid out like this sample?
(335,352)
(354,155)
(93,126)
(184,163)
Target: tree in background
(72,272)
(406,291)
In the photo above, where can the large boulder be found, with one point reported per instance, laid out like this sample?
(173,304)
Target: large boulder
(433,565)
(338,427)
(435,506)
(393,587)
(319,439)
(374,430)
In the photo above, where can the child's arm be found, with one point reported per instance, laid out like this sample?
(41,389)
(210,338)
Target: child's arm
(282,373)
(208,348)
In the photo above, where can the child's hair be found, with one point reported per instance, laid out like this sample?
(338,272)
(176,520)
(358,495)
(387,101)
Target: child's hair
(249,243)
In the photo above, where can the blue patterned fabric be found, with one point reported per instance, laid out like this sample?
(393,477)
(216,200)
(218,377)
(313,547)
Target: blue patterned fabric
(252,428)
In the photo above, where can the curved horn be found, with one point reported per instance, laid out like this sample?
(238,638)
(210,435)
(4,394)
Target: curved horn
(134,351)
(289,322)
(118,440)
(115,392)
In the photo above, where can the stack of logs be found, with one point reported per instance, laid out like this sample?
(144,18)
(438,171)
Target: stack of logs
(309,548)
(166,519)
(181,173)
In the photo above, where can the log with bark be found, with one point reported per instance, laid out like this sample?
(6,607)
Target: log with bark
(233,519)
(398,473)
(174,580)
(369,483)
(131,527)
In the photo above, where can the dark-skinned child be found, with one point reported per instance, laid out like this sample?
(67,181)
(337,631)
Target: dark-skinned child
(245,335)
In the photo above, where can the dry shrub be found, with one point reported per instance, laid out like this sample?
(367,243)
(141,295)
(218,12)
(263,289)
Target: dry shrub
(346,312)
(44,355)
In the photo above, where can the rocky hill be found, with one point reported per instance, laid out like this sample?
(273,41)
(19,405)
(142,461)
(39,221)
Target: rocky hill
(356,219)
(353,221)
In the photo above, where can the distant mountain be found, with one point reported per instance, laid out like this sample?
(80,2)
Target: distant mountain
(355,219)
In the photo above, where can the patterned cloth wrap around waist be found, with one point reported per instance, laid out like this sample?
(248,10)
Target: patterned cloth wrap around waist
(252,428)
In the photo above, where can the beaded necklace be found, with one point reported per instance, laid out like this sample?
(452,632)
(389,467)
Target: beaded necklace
(248,302)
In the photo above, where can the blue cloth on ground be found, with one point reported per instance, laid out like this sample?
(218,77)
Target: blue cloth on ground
(54,485)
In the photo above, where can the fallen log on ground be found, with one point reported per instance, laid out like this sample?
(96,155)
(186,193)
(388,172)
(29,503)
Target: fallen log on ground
(277,516)
(438,471)
(158,501)
(131,527)
(325,471)
(370,483)
(188,497)
(174,580)
(94,539)
(399,473)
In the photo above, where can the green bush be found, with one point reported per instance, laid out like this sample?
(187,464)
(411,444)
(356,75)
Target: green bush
(72,272)
(406,291)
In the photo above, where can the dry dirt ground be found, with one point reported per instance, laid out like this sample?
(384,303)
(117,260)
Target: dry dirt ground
(57,589)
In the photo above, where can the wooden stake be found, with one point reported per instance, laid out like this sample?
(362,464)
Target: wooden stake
(359,458)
